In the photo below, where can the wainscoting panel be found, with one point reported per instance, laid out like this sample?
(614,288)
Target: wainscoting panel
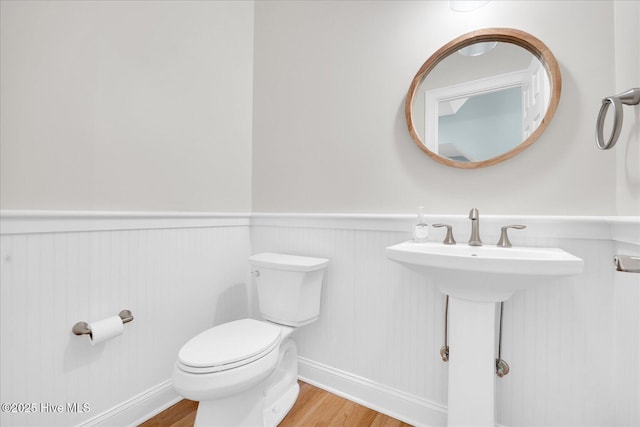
(177,282)
(378,320)
(573,345)
(626,332)
(381,325)
(558,342)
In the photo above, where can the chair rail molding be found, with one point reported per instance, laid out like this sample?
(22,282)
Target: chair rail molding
(41,221)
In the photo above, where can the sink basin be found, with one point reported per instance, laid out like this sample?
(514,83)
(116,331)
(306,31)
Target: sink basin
(484,273)
(476,278)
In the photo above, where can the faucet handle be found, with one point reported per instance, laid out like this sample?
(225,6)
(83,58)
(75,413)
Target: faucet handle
(448,239)
(504,237)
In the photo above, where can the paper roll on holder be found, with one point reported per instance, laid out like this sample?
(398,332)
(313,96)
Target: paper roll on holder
(82,328)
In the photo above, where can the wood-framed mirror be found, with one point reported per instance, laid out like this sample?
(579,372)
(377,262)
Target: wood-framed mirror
(483,97)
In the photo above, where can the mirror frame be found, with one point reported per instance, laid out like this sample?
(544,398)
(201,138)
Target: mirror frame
(507,35)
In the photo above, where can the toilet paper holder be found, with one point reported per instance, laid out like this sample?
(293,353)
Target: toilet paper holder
(627,263)
(82,328)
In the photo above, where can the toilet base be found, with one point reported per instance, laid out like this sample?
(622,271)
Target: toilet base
(238,411)
(243,409)
(264,405)
(279,409)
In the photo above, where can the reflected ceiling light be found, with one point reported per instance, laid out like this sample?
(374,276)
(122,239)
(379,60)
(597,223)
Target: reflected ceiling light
(477,49)
(466,5)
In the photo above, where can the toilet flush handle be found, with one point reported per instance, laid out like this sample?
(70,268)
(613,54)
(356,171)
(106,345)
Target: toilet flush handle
(256,273)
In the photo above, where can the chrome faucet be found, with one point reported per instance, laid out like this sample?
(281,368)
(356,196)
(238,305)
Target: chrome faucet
(474,216)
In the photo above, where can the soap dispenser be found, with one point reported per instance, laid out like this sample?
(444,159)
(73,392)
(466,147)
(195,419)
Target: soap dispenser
(421,229)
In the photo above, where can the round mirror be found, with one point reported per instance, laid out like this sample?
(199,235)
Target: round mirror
(483,97)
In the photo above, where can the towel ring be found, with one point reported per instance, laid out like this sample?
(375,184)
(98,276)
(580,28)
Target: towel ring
(630,97)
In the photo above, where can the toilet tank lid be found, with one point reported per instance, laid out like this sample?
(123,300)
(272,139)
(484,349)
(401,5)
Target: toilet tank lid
(287,262)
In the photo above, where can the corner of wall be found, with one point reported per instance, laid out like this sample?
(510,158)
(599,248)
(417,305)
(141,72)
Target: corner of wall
(627,70)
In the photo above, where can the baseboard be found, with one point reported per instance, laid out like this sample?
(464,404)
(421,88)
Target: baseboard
(386,400)
(137,409)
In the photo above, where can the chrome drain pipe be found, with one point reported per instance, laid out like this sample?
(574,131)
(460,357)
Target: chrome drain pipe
(502,368)
(444,350)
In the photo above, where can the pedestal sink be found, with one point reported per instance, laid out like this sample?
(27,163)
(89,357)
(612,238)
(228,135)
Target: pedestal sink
(476,278)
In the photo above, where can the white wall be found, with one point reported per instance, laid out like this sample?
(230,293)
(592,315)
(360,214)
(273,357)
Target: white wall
(572,346)
(178,276)
(626,287)
(136,105)
(330,82)
(626,326)
(627,68)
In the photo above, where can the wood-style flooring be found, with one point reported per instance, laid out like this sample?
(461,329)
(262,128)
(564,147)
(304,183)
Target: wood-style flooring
(314,407)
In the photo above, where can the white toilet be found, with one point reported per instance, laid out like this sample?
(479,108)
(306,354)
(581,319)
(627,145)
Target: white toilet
(245,372)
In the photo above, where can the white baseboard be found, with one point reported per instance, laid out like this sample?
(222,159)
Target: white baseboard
(386,400)
(139,408)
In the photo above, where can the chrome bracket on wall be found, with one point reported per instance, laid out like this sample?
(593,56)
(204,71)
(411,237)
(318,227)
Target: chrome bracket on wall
(627,263)
(630,97)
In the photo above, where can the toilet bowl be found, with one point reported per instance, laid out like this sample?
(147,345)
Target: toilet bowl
(244,373)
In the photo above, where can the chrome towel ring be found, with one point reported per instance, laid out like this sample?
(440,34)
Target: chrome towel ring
(630,97)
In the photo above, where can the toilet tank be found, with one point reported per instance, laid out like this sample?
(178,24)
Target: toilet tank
(289,287)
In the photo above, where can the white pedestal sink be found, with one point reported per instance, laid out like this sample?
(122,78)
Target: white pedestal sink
(476,278)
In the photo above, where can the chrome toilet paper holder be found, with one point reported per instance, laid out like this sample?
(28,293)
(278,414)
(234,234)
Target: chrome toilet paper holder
(627,263)
(82,328)
(630,97)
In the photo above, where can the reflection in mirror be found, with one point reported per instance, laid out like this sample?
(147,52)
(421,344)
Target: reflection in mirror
(483,98)
(488,109)
(482,126)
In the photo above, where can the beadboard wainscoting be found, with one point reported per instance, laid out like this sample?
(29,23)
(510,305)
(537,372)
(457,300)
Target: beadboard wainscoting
(179,274)
(572,345)
(626,332)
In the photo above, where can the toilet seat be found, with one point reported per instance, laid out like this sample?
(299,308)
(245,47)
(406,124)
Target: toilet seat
(228,346)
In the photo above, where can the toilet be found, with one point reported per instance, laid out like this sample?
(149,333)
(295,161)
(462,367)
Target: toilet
(245,372)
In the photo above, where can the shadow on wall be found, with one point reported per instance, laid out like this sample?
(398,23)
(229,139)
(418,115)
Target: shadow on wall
(412,158)
(632,172)
(80,353)
(233,304)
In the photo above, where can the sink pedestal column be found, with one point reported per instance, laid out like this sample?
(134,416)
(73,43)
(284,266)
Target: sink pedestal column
(476,278)
(472,361)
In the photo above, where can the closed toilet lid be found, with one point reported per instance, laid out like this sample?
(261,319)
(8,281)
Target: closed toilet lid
(228,346)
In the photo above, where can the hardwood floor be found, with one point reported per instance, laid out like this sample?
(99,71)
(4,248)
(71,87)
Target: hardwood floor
(182,414)
(314,407)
